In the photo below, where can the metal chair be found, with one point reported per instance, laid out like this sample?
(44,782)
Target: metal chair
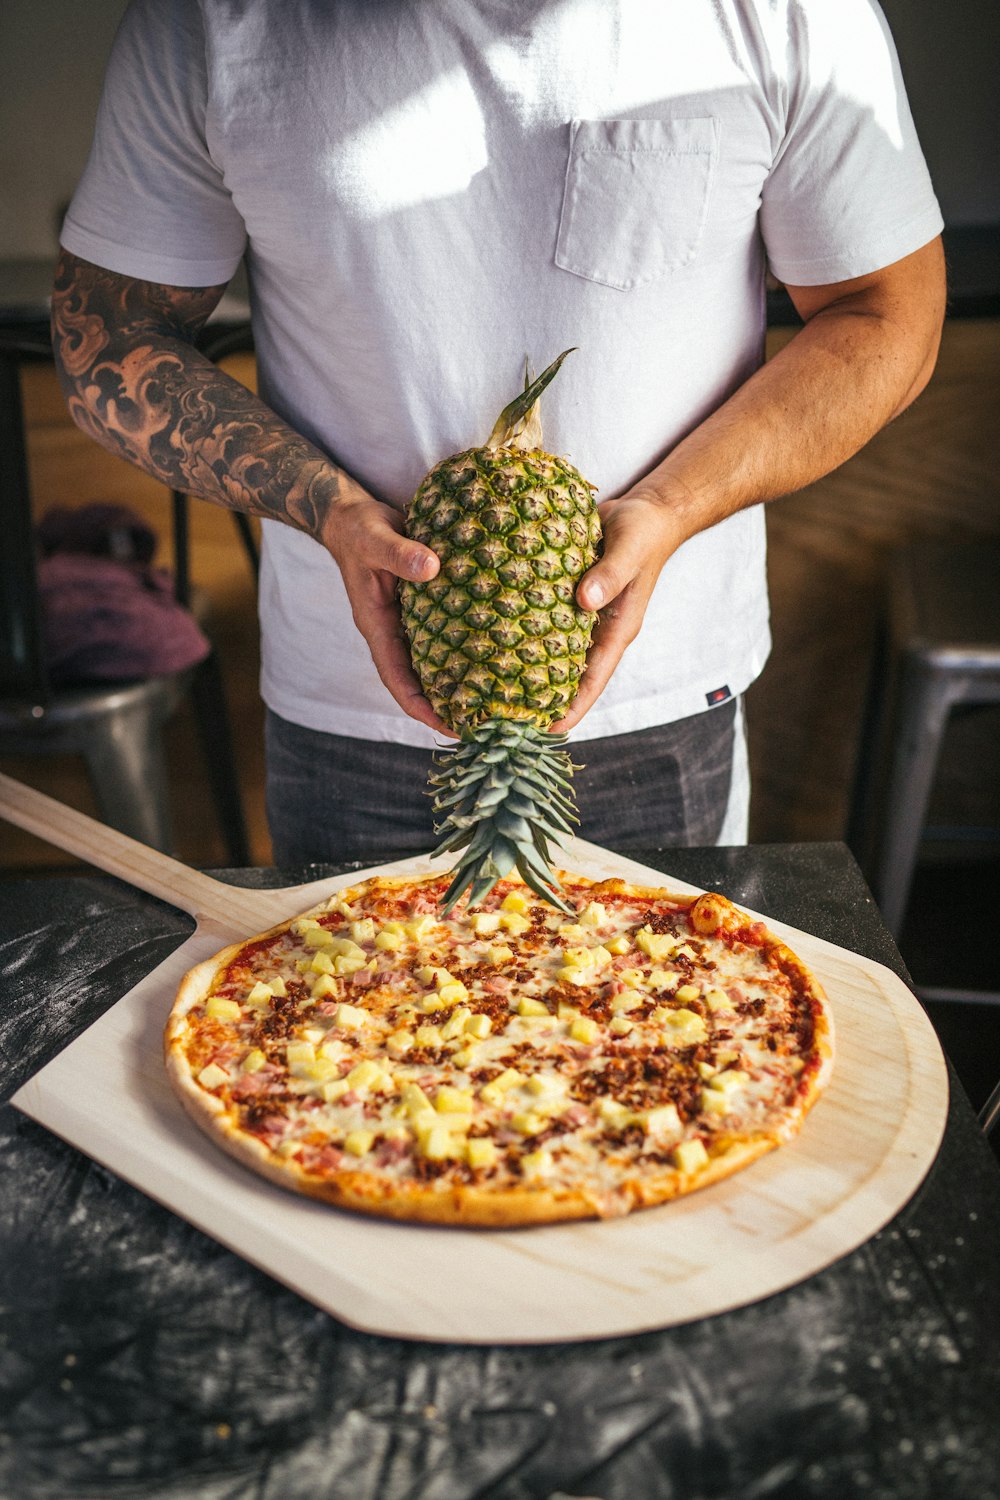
(116,727)
(939,654)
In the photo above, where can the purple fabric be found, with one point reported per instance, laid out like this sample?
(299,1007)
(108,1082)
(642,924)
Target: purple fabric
(107,620)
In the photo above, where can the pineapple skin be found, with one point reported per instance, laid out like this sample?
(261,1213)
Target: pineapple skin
(498,634)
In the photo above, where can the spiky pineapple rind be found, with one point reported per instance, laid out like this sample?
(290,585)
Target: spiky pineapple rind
(498,633)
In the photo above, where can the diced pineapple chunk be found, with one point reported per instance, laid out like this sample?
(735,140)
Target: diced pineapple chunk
(453,993)
(514,923)
(428,1036)
(478,1026)
(631,976)
(359,1142)
(222,1010)
(339,905)
(528,1122)
(689,1156)
(480,1151)
(515,901)
(537,1163)
(526,1006)
(212,1076)
(332,1091)
(499,953)
(452,1099)
(593,914)
(322,963)
(363,931)
(662,1120)
(277,986)
(714,1101)
(729,1081)
(418,927)
(254,1061)
(717,999)
(438,1143)
(320,1070)
(364,1074)
(325,987)
(725,1056)
(428,974)
(688,992)
(619,944)
(415,1101)
(455,1024)
(485,923)
(663,979)
(351,1017)
(616,1116)
(621,1026)
(300,1052)
(332,1048)
(493,1092)
(346,963)
(566,1012)
(347,948)
(584,1029)
(318,937)
(572,974)
(466,1055)
(685,1028)
(572,932)
(707,1070)
(261,994)
(547,1083)
(399,1043)
(389,942)
(579,958)
(655,944)
(629,999)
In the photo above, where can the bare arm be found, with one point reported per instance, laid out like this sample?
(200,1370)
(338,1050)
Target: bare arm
(135,383)
(866,351)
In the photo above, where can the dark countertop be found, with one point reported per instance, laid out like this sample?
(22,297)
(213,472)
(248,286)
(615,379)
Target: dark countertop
(140,1359)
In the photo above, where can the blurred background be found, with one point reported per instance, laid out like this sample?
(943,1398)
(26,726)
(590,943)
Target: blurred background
(934,474)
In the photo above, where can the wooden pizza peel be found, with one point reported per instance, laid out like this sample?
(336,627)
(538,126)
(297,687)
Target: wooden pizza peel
(862,1152)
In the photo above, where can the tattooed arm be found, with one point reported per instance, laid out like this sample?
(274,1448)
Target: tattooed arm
(135,383)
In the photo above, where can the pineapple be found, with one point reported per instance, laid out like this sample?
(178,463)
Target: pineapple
(499,643)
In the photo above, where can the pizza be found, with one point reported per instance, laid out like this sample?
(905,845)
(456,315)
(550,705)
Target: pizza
(504,1065)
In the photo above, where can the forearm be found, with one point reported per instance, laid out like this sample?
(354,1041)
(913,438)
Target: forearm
(847,373)
(134,382)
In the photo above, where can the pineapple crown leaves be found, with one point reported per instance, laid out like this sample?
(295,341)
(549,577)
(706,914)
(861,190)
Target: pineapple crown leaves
(502,793)
(519,425)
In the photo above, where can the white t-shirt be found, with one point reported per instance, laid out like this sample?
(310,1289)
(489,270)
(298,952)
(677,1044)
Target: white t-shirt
(428,192)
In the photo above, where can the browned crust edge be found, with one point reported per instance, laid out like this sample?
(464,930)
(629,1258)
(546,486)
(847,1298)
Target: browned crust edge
(464,1205)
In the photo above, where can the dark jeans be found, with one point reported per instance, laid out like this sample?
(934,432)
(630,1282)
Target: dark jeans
(331,798)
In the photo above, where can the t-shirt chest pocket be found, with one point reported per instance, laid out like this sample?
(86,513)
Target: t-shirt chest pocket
(636,198)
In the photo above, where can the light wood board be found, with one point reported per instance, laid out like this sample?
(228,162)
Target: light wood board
(860,1156)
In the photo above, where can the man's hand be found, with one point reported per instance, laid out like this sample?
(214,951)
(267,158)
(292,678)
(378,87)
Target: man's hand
(866,351)
(369,545)
(640,533)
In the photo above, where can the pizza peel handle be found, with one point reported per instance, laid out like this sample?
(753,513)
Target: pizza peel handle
(157,874)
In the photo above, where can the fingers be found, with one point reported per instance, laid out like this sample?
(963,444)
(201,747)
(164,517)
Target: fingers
(372,533)
(370,547)
(617,626)
(637,542)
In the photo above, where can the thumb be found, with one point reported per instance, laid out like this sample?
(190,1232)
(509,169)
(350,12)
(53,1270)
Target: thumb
(386,548)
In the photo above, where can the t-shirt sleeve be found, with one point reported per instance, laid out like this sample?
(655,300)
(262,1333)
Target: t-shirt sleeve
(152,202)
(849,191)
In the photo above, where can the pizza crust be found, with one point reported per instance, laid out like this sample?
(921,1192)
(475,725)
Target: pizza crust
(484,1205)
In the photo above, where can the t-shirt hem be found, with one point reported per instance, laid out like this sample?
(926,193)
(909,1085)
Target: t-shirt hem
(623,718)
(876,253)
(125,260)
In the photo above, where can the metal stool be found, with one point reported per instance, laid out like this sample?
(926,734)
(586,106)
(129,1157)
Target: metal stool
(939,652)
